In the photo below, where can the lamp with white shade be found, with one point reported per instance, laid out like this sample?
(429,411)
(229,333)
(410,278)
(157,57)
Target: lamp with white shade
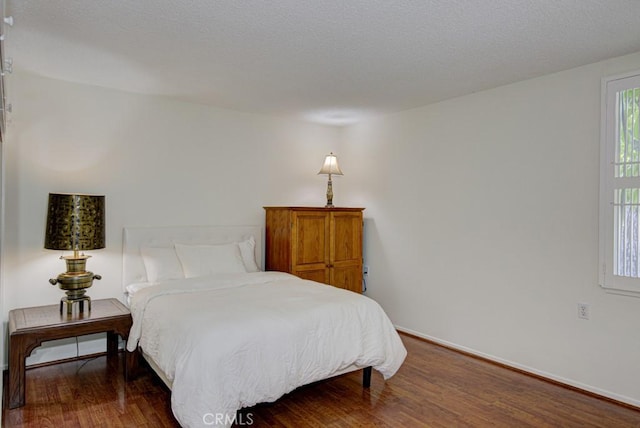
(330,167)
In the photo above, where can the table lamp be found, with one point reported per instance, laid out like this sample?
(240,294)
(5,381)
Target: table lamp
(75,222)
(330,167)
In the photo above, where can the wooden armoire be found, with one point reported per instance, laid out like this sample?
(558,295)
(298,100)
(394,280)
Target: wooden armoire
(320,244)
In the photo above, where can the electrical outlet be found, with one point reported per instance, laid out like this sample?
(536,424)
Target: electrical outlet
(365,270)
(583,311)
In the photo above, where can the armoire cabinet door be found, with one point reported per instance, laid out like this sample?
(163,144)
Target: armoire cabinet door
(345,250)
(310,242)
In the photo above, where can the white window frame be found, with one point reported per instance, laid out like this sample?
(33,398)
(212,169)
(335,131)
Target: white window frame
(608,182)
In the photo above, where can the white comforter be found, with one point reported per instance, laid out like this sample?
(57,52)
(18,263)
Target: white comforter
(231,341)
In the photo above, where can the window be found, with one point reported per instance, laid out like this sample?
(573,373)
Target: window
(620,184)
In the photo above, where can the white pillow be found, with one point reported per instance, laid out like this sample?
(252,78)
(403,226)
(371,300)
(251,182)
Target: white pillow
(202,260)
(134,288)
(248,252)
(161,263)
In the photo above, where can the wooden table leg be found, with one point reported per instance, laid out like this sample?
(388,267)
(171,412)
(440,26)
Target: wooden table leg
(112,343)
(16,372)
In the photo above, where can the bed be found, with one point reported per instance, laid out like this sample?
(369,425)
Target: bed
(223,335)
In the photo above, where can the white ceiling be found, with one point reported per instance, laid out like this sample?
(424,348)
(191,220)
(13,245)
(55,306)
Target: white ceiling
(328,60)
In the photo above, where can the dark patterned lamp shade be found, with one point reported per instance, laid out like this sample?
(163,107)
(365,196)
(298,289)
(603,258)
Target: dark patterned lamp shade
(75,222)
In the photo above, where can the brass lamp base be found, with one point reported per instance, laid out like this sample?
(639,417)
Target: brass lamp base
(69,301)
(75,282)
(329,194)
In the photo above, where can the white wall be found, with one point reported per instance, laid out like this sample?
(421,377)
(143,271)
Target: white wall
(481,219)
(158,161)
(482,227)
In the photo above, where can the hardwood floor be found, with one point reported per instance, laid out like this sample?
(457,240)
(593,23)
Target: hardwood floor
(436,387)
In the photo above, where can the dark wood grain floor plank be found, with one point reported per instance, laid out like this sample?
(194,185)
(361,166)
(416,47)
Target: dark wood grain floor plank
(436,387)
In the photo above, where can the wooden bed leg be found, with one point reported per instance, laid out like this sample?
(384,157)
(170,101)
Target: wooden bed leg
(131,364)
(366,377)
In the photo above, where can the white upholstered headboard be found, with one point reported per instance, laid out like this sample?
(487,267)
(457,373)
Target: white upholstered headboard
(133,238)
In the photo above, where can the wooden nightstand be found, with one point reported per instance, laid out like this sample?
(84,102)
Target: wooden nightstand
(29,327)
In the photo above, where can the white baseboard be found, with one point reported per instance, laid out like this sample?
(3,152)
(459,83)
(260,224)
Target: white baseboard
(540,373)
